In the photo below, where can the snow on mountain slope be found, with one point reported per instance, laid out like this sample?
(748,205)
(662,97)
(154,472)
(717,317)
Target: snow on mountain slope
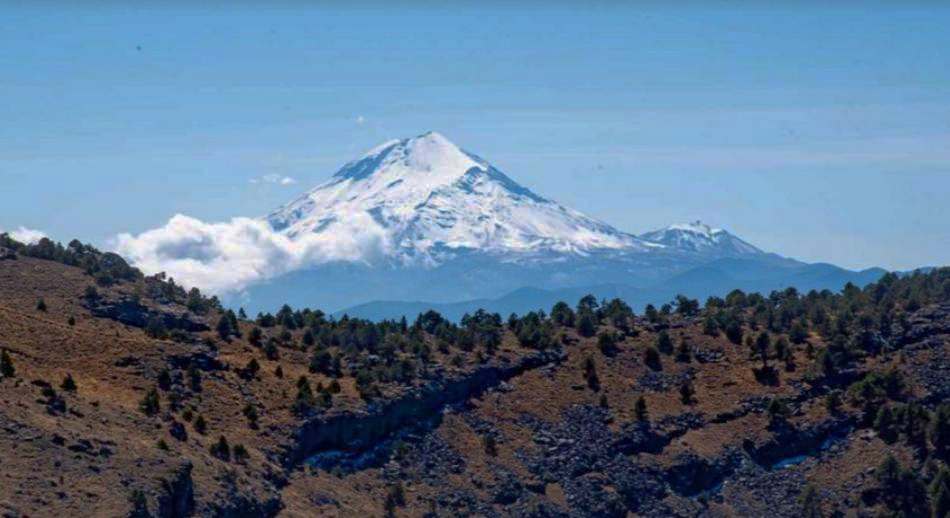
(700,238)
(430,199)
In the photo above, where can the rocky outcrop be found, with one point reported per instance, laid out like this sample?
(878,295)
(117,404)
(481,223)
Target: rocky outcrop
(133,313)
(178,498)
(359,431)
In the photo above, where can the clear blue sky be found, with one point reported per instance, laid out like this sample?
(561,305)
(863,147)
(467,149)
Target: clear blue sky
(818,133)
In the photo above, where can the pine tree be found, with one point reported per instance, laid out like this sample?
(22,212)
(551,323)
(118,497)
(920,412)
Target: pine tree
(940,493)
(640,409)
(221,449)
(686,393)
(201,426)
(590,374)
(150,404)
(664,343)
(68,384)
(683,351)
(491,445)
(811,506)
(7,370)
(41,305)
(885,425)
(940,432)
(651,357)
(224,328)
(586,326)
(762,343)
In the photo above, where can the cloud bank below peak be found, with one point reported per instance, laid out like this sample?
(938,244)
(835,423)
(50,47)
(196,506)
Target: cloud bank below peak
(226,257)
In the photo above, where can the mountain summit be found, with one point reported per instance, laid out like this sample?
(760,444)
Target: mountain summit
(420,221)
(426,199)
(700,238)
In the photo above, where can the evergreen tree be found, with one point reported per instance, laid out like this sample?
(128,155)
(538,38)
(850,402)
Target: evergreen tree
(811,506)
(683,352)
(686,393)
(664,343)
(798,333)
(150,404)
(939,491)
(7,370)
(940,432)
(607,343)
(762,344)
(221,449)
(710,326)
(885,425)
(590,374)
(586,325)
(68,384)
(41,305)
(640,409)
(651,357)
(201,426)
(224,328)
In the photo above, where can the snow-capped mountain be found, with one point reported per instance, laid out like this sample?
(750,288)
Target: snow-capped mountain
(421,219)
(426,199)
(700,238)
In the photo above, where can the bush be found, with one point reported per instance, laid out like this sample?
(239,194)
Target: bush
(41,305)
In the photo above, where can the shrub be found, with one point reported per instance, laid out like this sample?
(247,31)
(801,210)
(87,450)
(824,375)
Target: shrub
(41,305)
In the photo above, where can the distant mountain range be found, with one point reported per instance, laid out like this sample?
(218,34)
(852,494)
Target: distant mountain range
(444,228)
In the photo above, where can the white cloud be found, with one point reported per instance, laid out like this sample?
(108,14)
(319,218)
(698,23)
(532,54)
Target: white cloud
(275,179)
(25,235)
(226,257)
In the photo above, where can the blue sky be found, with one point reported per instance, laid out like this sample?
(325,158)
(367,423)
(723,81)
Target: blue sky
(818,133)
